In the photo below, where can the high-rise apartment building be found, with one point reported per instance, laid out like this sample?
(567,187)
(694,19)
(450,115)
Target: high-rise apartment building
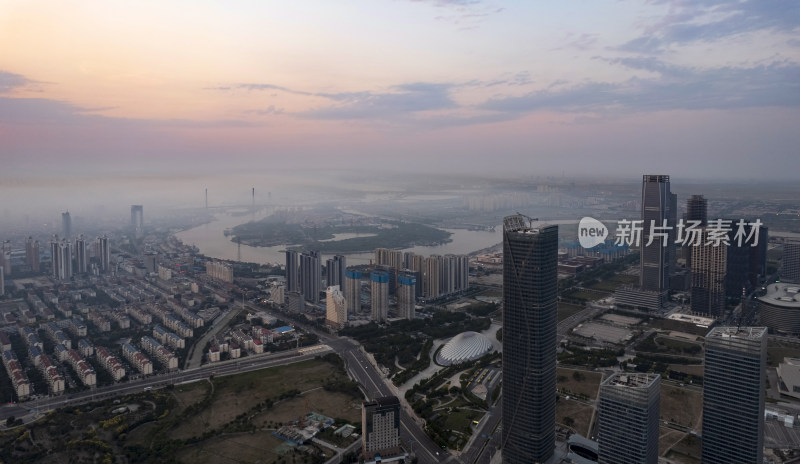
(102,251)
(66,225)
(431,284)
(406,295)
(657,201)
(335,308)
(137,220)
(81,257)
(379,285)
(352,291)
(5,257)
(335,269)
(292,272)
(790,262)
(61,256)
(220,270)
(709,267)
(530,287)
(380,426)
(310,275)
(2,282)
(32,254)
(628,419)
(733,395)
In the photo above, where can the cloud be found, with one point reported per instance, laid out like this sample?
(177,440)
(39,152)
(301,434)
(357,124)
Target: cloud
(710,20)
(271,109)
(403,99)
(43,111)
(467,14)
(10,81)
(773,85)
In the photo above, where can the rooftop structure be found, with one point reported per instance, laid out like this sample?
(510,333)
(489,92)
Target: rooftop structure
(780,308)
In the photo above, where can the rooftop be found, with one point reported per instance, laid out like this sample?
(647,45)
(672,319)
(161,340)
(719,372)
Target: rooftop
(746,333)
(782,294)
(632,380)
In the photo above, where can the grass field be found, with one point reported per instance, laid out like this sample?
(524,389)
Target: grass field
(609,285)
(580,412)
(681,405)
(588,384)
(566,310)
(687,451)
(668,438)
(691,369)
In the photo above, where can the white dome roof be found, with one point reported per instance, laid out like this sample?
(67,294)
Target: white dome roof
(464,347)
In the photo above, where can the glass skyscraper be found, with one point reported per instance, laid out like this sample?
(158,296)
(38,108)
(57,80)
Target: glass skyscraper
(530,286)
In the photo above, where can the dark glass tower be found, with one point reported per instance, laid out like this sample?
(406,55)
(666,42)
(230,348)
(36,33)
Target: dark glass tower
(733,395)
(627,419)
(657,202)
(292,272)
(697,209)
(530,286)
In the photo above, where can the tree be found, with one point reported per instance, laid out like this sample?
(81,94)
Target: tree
(568,421)
(10,421)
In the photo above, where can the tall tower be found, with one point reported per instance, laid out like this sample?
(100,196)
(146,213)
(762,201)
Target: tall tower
(733,395)
(352,291)
(310,275)
(32,253)
(431,281)
(5,257)
(696,210)
(530,285)
(379,284)
(66,225)
(335,308)
(80,255)
(627,419)
(790,262)
(103,253)
(380,425)
(292,273)
(656,202)
(61,256)
(406,295)
(335,270)
(137,219)
(709,265)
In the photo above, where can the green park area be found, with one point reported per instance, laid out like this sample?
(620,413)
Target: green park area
(201,422)
(395,234)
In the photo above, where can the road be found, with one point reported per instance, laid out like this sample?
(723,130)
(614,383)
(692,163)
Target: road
(375,385)
(238,366)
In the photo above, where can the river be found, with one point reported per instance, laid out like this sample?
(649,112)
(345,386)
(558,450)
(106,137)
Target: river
(210,239)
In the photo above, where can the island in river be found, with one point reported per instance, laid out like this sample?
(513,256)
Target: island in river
(334,231)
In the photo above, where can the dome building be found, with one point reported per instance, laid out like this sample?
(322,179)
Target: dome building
(466,346)
(780,308)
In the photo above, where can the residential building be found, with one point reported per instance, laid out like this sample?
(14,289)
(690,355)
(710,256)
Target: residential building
(406,295)
(352,291)
(310,276)
(292,272)
(379,285)
(336,308)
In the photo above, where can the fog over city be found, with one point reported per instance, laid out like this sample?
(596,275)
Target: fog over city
(411,231)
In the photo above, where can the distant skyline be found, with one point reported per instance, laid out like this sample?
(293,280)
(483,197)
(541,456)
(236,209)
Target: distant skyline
(608,88)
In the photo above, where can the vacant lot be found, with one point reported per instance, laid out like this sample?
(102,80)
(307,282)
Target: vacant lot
(777,350)
(668,438)
(687,451)
(320,401)
(578,411)
(681,405)
(245,447)
(609,285)
(578,381)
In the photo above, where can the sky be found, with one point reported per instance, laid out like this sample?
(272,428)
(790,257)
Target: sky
(692,88)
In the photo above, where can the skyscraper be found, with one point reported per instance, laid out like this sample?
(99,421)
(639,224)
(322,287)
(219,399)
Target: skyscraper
(32,253)
(335,308)
(733,395)
(292,272)
(530,284)
(310,275)
(697,209)
(790,262)
(654,258)
(352,291)
(80,255)
(2,282)
(137,219)
(5,257)
(406,295)
(103,253)
(627,419)
(379,285)
(335,269)
(709,265)
(432,272)
(66,225)
(61,256)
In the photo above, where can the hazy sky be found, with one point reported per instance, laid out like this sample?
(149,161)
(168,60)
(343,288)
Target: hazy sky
(686,87)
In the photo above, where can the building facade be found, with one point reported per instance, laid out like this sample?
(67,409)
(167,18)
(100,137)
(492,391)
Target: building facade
(379,286)
(406,295)
(790,263)
(310,276)
(628,419)
(352,291)
(335,308)
(380,425)
(292,272)
(656,209)
(733,395)
(530,285)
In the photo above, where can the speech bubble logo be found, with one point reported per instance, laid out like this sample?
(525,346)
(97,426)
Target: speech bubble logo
(591,232)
